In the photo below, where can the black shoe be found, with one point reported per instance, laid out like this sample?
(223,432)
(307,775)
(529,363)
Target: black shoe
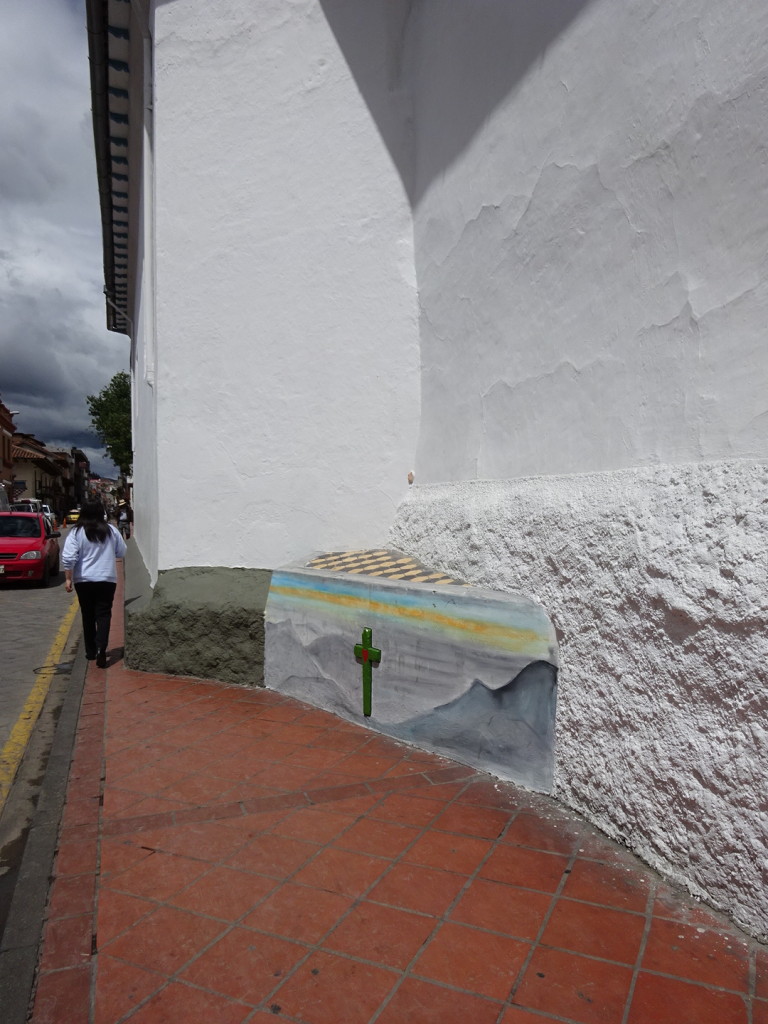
(90,656)
(101,659)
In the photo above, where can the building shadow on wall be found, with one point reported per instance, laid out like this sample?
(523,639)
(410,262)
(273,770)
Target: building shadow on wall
(432,71)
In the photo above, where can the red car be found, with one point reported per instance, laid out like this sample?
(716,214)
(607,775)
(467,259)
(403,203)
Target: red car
(29,548)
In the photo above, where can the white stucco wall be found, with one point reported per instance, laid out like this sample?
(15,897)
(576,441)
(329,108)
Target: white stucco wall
(590,233)
(287,387)
(655,580)
(143,334)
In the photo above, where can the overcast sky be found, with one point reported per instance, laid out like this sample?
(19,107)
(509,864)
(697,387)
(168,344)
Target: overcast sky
(54,345)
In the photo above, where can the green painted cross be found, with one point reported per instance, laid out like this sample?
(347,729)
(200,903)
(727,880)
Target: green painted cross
(370,656)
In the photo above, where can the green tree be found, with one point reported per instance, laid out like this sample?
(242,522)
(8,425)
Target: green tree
(111,417)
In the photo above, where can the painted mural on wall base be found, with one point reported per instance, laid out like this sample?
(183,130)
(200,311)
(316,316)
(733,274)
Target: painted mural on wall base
(465,672)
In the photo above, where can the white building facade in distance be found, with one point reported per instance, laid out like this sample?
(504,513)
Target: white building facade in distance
(517,248)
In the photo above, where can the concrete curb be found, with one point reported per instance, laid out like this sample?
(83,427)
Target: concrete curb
(51,744)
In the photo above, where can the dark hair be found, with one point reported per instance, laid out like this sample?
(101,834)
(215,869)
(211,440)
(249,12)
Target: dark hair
(92,521)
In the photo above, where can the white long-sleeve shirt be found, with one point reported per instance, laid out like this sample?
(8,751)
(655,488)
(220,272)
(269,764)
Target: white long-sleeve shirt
(90,561)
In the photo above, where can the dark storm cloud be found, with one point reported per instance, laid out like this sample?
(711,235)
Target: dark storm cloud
(54,346)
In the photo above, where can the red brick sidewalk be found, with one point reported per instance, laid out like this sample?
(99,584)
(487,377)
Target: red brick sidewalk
(229,855)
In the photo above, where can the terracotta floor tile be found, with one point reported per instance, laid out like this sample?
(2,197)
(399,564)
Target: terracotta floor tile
(76,858)
(540,833)
(761,985)
(298,912)
(481,962)
(117,855)
(341,740)
(367,766)
(80,812)
(276,856)
(502,908)
(382,934)
(487,793)
(315,716)
(425,1003)
(117,801)
(224,892)
(244,965)
(406,767)
(760,1011)
(406,810)
(316,825)
(117,913)
(186,760)
(380,838)
(697,955)
(71,895)
(451,852)
(332,779)
(208,840)
(575,987)
(120,987)
(595,931)
(159,876)
(195,789)
(302,734)
(467,819)
(669,1001)
(67,942)
(285,778)
(514,1015)
(341,871)
(413,887)
(676,906)
(63,996)
(272,750)
(148,805)
(181,1003)
(330,989)
(165,940)
(352,805)
(529,869)
(314,758)
(147,781)
(611,885)
(286,712)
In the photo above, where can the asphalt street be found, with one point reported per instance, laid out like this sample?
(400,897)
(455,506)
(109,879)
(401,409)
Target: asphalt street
(39,634)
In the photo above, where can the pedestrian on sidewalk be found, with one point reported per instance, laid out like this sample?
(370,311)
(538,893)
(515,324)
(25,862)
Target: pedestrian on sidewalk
(90,551)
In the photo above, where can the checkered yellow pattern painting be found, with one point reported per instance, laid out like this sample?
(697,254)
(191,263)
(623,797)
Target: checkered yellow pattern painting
(392,565)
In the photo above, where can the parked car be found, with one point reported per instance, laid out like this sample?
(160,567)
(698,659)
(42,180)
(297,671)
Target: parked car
(72,516)
(29,548)
(49,515)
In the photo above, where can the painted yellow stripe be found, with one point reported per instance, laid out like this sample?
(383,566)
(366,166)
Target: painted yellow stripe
(504,637)
(13,751)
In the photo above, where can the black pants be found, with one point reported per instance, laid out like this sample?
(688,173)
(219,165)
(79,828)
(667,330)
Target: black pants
(96,610)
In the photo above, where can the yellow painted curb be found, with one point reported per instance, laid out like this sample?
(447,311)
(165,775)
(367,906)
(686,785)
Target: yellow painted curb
(13,751)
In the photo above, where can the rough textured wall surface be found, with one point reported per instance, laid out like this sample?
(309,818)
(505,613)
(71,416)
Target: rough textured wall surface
(655,580)
(590,234)
(198,622)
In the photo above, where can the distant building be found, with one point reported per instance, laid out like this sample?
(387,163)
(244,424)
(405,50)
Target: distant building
(7,430)
(36,471)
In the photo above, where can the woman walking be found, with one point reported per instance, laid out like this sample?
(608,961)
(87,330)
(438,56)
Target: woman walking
(89,557)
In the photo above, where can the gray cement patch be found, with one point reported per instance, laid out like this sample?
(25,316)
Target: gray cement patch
(198,621)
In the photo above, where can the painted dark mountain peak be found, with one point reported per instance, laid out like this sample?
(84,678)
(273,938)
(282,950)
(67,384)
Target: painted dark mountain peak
(509,731)
(526,697)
